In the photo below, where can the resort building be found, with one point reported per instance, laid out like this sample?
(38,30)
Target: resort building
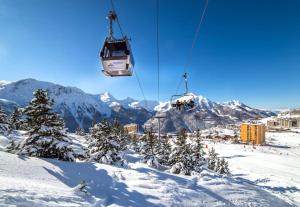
(253,133)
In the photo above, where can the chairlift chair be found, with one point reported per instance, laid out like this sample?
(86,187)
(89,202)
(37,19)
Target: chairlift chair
(188,102)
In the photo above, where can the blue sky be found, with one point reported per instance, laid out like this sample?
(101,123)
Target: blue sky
(247,49)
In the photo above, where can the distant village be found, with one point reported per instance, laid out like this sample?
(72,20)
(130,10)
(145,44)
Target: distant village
(252,132)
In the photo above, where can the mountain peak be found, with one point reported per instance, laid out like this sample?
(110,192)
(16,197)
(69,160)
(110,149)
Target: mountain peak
(234,103)
(4,82)
(129,99)
(106,97)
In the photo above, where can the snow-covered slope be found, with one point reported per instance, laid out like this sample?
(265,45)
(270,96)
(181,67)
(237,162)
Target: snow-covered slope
(274,167)
(26,181)
(7,105)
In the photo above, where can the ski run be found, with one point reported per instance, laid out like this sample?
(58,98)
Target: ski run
(261,176)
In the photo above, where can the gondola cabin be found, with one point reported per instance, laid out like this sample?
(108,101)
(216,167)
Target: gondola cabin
(116,58)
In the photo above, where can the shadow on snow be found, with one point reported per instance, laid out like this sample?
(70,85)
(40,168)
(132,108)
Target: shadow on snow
(101,184)
(183,183)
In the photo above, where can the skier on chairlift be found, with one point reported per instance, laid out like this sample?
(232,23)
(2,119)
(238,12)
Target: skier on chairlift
(178,105)
(191,104)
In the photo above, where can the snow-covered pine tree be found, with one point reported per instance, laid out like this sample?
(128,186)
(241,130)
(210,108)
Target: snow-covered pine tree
(47,134)
(198,153)
(181,156)
(235,139)
(163,150)
(3,122)
(212,159)
(104,146)
(134,143)
(217,165)
(15,121)
(79,131)
(121,136)
(12,147)
(222,166)
(147,148)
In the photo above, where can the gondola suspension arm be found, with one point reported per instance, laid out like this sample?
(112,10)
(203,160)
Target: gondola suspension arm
(112,16)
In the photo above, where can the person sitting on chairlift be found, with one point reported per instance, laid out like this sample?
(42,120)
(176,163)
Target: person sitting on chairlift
(178,105)
(191,103)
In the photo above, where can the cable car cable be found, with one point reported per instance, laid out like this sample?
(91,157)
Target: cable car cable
(136,74)
(189,56)
(158,61)
(141,88)
(157,50)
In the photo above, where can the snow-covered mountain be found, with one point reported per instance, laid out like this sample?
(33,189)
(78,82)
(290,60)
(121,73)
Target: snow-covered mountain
(80,109)
(75,106)
(206,114)
(8,106)
(128,102)
(3,82)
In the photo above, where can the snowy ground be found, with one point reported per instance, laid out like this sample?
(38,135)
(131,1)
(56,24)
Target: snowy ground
(260,178)
(274,167)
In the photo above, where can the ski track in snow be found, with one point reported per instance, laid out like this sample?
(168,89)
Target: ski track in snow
(274,167)
(260,177)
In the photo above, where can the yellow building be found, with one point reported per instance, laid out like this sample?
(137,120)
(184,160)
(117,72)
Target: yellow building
(253,133)
(131,128)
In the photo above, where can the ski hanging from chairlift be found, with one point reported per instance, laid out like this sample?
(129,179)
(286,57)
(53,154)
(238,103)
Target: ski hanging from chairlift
(185,101)
(115,55)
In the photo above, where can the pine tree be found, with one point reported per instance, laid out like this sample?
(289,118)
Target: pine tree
(12,146)
(181,156)
(104,146)
(134,143)
(15,121)
(222,166)
(3,122)
(163,150)
(212,159)
(216,164)
(47,134)
(79,131)
(147,148)
(147,143)
(121,136)
(198,153)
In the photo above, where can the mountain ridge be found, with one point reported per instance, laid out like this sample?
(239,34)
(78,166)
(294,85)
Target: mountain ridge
(80,109)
